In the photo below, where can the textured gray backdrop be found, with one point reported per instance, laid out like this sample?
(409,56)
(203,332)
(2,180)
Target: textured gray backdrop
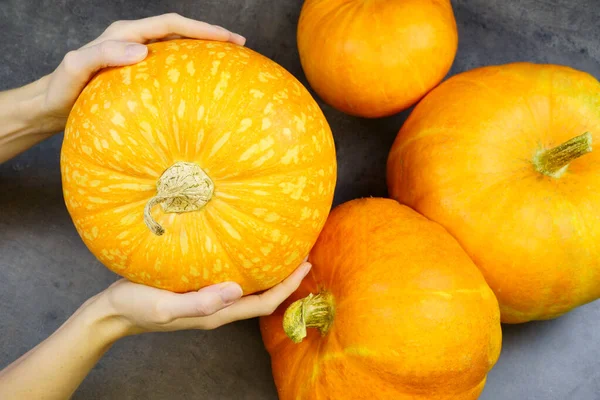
(46,272)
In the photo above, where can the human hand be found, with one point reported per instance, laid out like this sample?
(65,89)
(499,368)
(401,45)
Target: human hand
(145,309)
(122,43)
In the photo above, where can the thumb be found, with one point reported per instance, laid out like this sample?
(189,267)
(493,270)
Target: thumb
(204,302)
(80,65)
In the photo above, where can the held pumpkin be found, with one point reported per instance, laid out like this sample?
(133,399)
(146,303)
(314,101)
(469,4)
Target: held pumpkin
(497,155)
(376,58)
(206,162)
(393,309)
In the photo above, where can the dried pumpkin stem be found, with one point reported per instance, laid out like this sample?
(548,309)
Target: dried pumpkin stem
(554,162)
(313,311)
(183,187)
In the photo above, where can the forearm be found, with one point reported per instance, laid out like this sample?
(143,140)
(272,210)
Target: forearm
(23,122)
(56,367)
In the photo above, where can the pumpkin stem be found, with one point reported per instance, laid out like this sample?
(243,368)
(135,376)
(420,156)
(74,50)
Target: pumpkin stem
(554,162)
(313,311)
(183,187)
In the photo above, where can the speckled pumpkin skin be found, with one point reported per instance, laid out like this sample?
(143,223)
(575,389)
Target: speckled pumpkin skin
(414,318)
(249,124)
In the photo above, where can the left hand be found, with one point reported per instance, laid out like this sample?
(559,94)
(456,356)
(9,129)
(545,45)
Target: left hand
(122,43)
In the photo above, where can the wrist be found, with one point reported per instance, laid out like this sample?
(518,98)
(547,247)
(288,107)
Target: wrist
(31,110)
(103,321)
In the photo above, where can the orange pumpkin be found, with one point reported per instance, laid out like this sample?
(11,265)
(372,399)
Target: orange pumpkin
(399,312)
(496,155)
(376,58)
(204,163)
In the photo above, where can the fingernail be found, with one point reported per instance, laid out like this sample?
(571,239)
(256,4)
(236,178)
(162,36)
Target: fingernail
(239,38)
(230,292)
(135,50)
(306,269)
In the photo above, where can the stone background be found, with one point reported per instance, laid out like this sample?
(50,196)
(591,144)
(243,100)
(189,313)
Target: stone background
(46,272)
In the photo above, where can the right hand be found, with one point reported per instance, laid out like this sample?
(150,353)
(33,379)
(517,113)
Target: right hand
(145,309)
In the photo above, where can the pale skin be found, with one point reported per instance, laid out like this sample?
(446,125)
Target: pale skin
(56,367)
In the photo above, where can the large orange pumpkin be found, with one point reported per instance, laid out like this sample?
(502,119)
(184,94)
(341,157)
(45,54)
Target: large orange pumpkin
(204,163)
(398,312)
(497,156)
(376,58)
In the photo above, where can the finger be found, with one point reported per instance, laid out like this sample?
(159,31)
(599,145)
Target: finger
(202,303)
(159,27)
(265,303)
(79,66)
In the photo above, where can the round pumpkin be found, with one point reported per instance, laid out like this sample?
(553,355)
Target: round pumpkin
(498,156)
(376,58)
(204,163)
(393,308)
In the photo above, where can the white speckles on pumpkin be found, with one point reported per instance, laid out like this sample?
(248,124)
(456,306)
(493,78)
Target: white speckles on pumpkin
(305,213)
(118,119)
(208,244)
(244,125)
(220,143)
(156,83)
(200,113)
(230,230)
(264,158)
(194,272)
(260,193)
(173,75)
(269,108)
(94,108)
(266,123)
(215,67)
(291,257)
(183,242)
(190,68)
(222,85)
(104,143)
(257,94)
(170,59)
(300,123)
(142,75)
(107,104)
(116,137)
(139,187)
(181,108)
(291,156)
(218,265)
(316,214)
(131,105)
(199,139)
(172,45)
(265,76)
(122,235)
(221,54)
(185,279)
(272,217)
(294,189)
(97,143)
(87,150)
(256,148)
(98,200)
(185,56)
(128,219)
(276,235)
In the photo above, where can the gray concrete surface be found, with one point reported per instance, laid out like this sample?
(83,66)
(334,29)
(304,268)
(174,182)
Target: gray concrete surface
(46,272)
